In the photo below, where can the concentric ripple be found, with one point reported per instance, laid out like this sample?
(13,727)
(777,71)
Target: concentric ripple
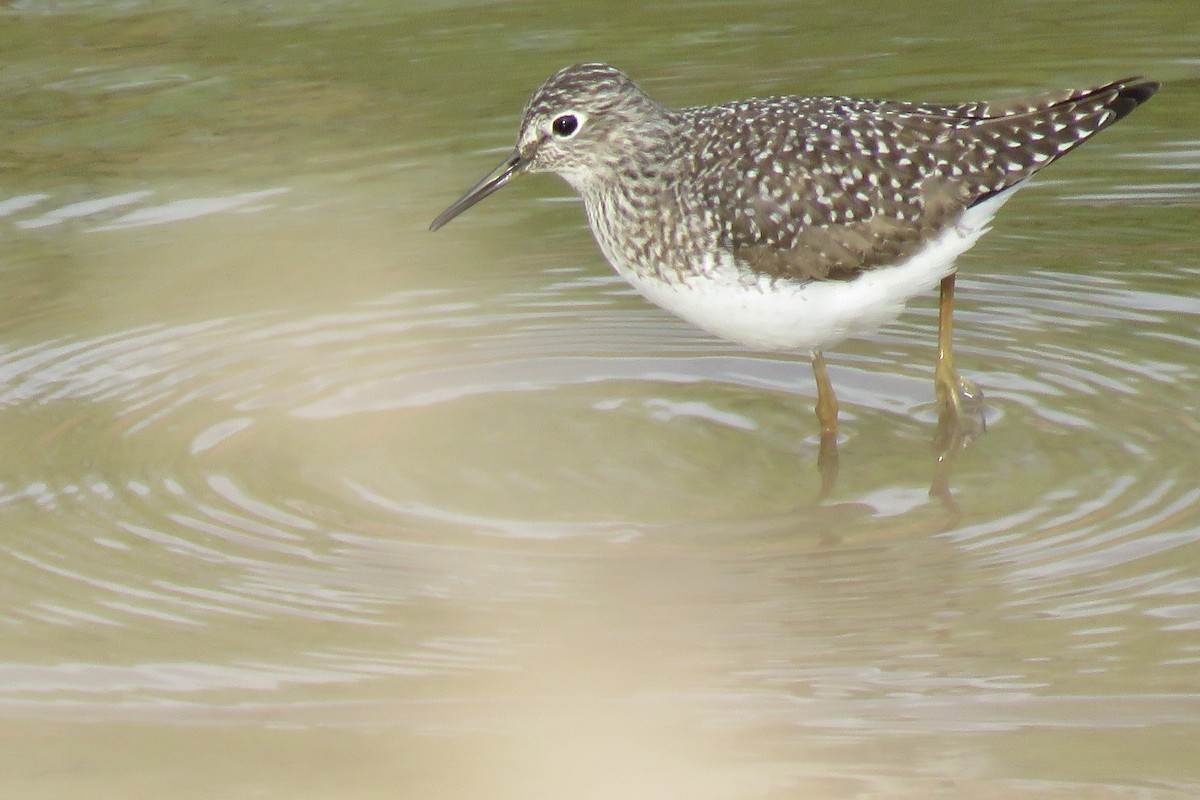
(299,500)
(560,413)
(337,514)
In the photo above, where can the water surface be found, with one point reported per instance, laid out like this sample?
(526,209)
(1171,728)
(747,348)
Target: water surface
(299,500)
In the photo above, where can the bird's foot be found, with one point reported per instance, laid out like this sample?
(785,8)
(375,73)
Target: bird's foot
(961,417)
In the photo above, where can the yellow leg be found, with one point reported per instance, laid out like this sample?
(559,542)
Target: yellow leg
(827,414)
(827,404)
(953,391)
(960,415)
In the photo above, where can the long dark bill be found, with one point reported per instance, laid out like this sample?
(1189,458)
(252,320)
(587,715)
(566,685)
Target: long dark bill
(491,182)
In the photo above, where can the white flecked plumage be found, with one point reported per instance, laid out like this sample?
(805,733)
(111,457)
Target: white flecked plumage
(827,186)
(794,222)
(769,313)
(768,221)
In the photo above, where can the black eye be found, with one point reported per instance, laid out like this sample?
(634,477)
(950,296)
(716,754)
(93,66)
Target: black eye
(565,125)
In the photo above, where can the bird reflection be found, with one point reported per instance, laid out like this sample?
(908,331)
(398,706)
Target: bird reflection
(958,427)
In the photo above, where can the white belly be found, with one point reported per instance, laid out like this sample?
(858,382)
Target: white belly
(813,315)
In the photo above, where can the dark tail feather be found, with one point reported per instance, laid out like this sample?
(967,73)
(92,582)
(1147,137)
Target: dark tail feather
(1024,137)
(1131,93)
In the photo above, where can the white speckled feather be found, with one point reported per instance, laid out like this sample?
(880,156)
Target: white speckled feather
(783,314)
(791,222)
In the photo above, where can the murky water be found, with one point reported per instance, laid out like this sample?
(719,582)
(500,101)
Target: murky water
(299,500)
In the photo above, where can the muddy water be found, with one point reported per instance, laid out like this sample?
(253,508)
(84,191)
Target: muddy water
(299,500)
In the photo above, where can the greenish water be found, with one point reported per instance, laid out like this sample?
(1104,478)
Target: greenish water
(300,500)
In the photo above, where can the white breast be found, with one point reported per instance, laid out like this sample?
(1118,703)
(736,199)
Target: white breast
(788,315)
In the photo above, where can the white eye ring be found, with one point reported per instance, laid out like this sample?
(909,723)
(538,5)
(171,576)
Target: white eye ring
(566,125)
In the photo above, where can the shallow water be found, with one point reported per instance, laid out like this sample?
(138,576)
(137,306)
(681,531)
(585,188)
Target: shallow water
(299,500)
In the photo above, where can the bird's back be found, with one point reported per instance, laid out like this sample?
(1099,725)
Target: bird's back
(827,188)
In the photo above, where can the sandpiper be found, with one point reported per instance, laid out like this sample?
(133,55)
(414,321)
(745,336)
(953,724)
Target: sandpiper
(791,223)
